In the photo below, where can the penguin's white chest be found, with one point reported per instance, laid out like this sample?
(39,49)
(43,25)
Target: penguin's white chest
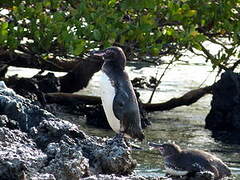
(107,95)
(175,172)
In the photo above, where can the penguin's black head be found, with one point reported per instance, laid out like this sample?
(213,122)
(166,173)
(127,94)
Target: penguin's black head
(166,149)
(113,55)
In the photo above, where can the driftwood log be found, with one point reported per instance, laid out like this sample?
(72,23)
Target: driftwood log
(187,99)
(80,75)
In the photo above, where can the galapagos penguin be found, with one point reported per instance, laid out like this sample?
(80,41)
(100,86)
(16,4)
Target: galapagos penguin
(180,162)
(117,94)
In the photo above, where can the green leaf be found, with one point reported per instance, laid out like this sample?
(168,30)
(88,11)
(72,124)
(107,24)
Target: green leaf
(97,35)
(38,8)
(13,42)
(191,13)
(185,6)
(78,47)
(3,32)
(197,46)
(4,25)
(122,39)
(170,31)
(58,17)
(46,3)
(155,51)
(112,2)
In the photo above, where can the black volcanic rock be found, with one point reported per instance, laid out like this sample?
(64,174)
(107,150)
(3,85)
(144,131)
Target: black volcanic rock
(225,106)
(111,156)
(19,155)
(21,109)
(34,144)
(67,161)
(52,130)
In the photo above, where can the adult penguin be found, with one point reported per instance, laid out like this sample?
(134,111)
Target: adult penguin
(117,94)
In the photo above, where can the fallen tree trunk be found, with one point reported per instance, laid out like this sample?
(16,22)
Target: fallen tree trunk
(68,98)
(187,99)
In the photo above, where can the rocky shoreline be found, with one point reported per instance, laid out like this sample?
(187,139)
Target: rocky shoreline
(36,145)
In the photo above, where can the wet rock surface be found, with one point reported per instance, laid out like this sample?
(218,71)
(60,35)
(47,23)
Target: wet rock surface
(21,109)
(197,176)
(224,116)
(19,155)
(37,145)
(110,156)
(52,130)
(114,177)
(66,160)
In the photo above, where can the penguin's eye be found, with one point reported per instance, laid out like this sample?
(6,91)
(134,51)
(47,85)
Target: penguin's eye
(110,53)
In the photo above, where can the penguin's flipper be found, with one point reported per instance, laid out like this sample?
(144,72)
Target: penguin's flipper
(119,101)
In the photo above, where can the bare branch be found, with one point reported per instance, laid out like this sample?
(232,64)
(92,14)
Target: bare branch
(235,65)
(212,58)
(159,80)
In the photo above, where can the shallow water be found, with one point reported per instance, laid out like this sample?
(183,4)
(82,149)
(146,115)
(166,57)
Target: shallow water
(183,125)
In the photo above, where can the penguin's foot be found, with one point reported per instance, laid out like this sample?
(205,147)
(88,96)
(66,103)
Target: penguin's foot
(119,138)
(126,141)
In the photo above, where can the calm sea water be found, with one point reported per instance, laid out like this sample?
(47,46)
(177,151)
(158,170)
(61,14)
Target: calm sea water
(182,125)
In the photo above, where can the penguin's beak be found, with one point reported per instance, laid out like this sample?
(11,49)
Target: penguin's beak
(100,54)
(156,146)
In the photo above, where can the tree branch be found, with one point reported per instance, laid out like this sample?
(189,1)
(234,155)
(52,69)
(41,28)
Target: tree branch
(29,61)
(212,58)
(159,80)
(80,75)
(187,99)
(235,65)
(68,98)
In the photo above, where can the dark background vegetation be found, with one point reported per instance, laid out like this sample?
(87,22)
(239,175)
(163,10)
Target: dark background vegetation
(55,29)
(59,34)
